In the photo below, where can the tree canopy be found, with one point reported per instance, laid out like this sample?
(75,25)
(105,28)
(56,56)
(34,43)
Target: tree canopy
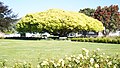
(109,16)
(88,11)
(7,18)
(58,22)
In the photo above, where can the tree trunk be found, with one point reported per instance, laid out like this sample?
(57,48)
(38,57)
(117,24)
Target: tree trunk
(85,33)
(105,33)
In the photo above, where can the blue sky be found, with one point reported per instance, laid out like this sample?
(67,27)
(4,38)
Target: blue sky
(22,7)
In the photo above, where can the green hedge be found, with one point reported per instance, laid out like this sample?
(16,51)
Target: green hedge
(115,40)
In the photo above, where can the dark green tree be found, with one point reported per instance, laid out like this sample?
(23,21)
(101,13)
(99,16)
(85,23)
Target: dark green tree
(88,11)
(7,18)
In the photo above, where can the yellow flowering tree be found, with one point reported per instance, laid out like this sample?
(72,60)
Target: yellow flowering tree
(58,22)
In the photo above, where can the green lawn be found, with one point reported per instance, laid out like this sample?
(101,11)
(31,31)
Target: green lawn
(31,50)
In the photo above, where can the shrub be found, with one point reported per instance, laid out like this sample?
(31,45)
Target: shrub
(73,39)
(86,40)
(104,40)
(84,60)
(95,39)
(118,41)
(109,40)
(91,40)
(82,40)
(98,40)
(114,41)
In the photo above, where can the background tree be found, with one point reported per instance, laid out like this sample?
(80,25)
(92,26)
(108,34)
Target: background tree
(7,18)
(58,22)
(88,11)
(109,16)
(119,22)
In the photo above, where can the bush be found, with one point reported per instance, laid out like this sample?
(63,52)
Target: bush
(109,40)
(74,39)
(98,40)
(82,40)
(104,40)
(114,41)
(91,40)
(86,40)
(95,40)
(86,59)
(118,41)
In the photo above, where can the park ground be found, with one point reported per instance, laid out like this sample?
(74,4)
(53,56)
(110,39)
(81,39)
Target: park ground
(37,50)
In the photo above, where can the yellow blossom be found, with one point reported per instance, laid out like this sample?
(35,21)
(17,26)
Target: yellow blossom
(81,56)
(69,66)
(98,49)
(84,49)
(44,63)
(109,63)
(96,66)
(91,60)
(38,66)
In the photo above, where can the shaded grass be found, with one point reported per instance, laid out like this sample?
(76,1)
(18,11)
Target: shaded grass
(31,50)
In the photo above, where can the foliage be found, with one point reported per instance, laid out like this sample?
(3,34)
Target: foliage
(58,22)
(86,59)
(7,18)
(109,16)
(98,40)
(88,11)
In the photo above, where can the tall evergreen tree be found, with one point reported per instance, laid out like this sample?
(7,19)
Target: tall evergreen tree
(7,18)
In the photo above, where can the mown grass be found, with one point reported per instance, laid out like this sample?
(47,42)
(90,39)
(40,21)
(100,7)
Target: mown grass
(38,50)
